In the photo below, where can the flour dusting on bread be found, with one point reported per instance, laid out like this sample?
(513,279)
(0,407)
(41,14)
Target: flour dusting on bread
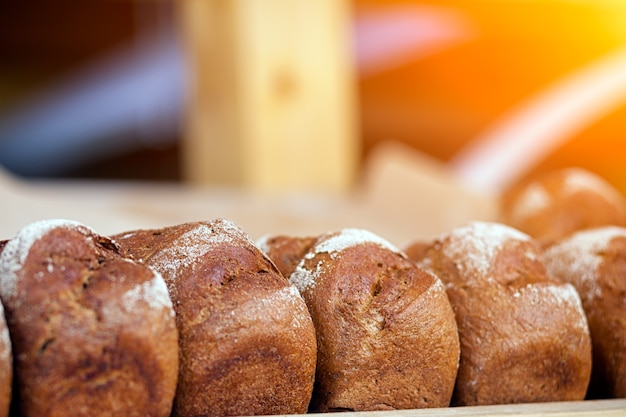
(153,292)
(346,238)
(580,255)
(195,243)
(475,245)
(334,243)
(16,250)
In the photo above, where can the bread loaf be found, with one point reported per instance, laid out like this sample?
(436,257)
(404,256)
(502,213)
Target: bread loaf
(561,202)
(524,336)
(594,261)
(93,332)
(247,342)
(386,333)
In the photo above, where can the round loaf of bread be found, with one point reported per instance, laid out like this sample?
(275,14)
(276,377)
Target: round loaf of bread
(561,202)
(247,342)
(594,261)
(386,333)
(93,332)
(524,336)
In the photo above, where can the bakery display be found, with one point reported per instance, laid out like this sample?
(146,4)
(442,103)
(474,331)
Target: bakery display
(93,332)
(386,333)
(561,202)
(196,319)
(247,342)
(524,336)
(594,261)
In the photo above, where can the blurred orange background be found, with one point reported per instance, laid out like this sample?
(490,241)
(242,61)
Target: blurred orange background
(437,75)
(497,55)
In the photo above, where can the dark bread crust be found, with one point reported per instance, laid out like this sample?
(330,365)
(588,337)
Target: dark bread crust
(247,342)
(286,251)
(387,338)
(594,261)
(88,333)
(524,337)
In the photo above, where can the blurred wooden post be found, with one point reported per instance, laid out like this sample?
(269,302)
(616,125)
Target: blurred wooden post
(272,94)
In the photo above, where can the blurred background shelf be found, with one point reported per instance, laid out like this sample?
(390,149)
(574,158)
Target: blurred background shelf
(142,89)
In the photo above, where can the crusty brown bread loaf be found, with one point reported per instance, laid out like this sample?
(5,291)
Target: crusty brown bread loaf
(386,333)
(247,342)
(524,336)
(93,332)
(594,261)
(560,202)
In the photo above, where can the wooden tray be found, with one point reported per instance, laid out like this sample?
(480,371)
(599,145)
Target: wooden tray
(595,408)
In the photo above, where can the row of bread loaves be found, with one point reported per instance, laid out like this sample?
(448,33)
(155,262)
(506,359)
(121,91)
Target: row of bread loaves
(189,320)
(386,338)
(198,320)
(195,320)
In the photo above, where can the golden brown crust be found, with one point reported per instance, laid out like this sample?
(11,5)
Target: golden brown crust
(285,251)
(246,338)
(387,338)
(561,202)
(524,337)
(93,332)
(594,261)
